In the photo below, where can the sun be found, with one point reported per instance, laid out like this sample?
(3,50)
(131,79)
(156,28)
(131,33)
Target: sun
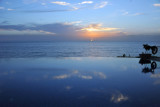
(91,40)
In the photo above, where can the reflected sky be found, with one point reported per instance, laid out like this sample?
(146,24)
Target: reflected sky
(77,81)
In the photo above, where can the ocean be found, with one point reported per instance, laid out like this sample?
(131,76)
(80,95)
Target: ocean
(71,49)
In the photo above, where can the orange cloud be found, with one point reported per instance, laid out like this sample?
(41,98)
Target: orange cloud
(98,27)
(94,31)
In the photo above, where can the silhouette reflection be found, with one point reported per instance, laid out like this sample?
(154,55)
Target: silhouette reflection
(150,65)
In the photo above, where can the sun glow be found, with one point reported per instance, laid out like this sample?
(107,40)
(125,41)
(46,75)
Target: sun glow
(97,28)
(91,40)
(93,31)
(94,35)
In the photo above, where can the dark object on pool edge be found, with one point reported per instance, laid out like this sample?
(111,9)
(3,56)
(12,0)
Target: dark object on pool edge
(153,48)
(147,55)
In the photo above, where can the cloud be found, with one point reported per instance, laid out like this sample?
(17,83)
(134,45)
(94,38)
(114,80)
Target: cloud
(25,32)
(101,5)
(14,27)
(60,3)
(71,23)
(130,14)
(43,3)
(75,6)
(44,11)
(156,5)
(71,31)
(71,6)
(96,31)
(98,27)
(10,9)
(137,14)
(55,27)
(1,8)
(125,13)
(86,2)
(61,32)
(29,1)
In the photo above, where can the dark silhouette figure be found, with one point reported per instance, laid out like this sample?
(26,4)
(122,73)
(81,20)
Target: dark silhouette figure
(153,48)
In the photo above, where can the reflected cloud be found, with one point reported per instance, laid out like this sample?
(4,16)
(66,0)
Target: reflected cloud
(68,88)
(3,73)
(100,74)
(118,97)
(81,97)
(157,82)
(85,77)
(124,68)
(61,76)
(155,75)
(76,73)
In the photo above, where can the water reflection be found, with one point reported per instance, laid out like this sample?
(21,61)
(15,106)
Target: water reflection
(149,65)
(118,97)
(77,82)
(81,75)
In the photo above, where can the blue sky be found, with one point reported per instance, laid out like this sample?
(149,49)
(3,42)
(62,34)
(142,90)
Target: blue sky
(92,19)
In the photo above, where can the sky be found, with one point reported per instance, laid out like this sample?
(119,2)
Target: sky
(79,20)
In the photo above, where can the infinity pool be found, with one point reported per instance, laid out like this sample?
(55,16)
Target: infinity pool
(78,82)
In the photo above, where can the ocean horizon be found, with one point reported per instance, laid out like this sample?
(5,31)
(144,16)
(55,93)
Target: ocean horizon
(71,49)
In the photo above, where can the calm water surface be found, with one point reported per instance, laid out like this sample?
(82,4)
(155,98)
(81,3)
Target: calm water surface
(78,82)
